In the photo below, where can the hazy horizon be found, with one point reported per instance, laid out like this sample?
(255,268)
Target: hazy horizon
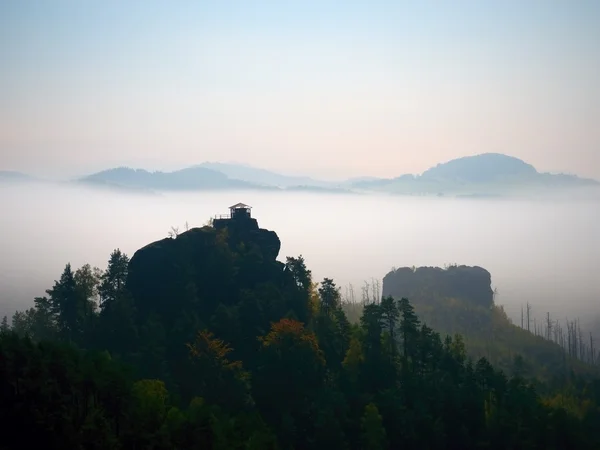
(319,88)
(538,252)
(74,173)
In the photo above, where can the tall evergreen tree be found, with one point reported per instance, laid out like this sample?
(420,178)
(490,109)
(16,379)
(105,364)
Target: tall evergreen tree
(68,306)
(409,328)
(299,301)
(373,432)
(390,315)
(112,283)
(4,327)
(329,295)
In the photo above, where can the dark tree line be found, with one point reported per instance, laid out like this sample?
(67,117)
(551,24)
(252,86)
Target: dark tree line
(259,356)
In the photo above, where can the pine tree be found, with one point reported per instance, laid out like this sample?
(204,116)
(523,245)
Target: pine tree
(330,296)
(373,432)
(390,315)
(409,327)
(303,280)
(67,305)
(112,283)
(4,327)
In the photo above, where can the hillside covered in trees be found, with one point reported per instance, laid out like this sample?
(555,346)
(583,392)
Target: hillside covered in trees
(205,340)
(460,300)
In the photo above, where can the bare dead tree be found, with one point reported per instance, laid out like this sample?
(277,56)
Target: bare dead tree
(365,293)
(581,342)
(569,343)
(528,312)
(521,316)
(555,332)
(373,291)
(376,290)
(561,337)
(572,339)
(174,232)
(577,341)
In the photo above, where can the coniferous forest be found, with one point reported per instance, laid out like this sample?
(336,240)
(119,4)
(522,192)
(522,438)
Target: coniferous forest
(204,340)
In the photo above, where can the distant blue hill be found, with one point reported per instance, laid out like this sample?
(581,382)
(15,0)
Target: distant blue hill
(194,178)
(9,175)
(318,190)
(485,168)
(485,175)
(262,177)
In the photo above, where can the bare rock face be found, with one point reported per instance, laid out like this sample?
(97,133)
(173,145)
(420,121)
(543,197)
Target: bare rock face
(247,230)
(470,284)
(202,268)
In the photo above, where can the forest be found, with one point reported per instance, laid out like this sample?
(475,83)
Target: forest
(205,340)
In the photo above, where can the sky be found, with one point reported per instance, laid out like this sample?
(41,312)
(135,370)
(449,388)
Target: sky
(319,87)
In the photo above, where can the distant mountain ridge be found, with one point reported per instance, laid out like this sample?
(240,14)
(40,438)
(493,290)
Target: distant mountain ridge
(11,175)
(480,169)
(260,176)
(487,174)
(484,175)
(204,178)
(193,178)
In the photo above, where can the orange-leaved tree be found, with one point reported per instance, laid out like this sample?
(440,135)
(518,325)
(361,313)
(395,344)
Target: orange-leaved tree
(219,380)
(289,378)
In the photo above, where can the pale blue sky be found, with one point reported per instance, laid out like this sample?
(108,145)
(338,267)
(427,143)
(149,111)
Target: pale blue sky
(341,88)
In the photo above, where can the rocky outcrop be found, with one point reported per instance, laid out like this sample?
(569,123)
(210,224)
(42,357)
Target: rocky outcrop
(470,284)
(224,278)
(246,230)
(203,268)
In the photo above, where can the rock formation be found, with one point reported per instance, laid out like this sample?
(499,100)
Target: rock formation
(202,268)
(470,284)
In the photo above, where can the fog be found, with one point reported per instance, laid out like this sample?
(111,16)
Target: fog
(542,252)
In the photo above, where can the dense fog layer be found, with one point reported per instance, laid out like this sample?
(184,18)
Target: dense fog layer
(543,252)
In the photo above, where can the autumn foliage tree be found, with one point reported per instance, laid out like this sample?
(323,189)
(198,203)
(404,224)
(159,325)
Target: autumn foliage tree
(290,348)
(289,356)
(218,379)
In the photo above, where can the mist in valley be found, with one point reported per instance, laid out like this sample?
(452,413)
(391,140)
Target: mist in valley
(541,252)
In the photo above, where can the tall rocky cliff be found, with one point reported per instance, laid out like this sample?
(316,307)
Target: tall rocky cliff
(202,267)
(224,278)
(470,284)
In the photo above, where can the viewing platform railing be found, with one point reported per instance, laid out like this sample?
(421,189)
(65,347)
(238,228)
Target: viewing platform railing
(222,216)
